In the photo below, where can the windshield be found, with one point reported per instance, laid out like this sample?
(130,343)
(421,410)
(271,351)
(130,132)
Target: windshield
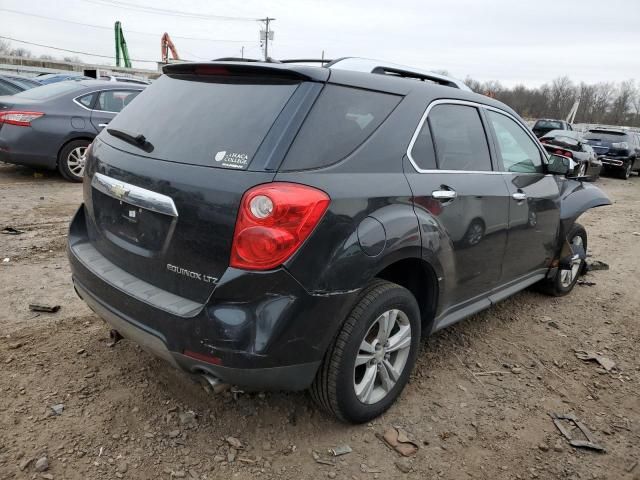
(48,91)
(203,120)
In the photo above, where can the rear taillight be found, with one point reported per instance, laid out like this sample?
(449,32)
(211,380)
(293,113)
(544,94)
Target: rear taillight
(273,221)
(16,117)
(564,153)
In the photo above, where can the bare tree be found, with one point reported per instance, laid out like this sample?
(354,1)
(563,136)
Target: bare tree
(599,103)
(74,59)
(21,52)
(5,47)
(621,104)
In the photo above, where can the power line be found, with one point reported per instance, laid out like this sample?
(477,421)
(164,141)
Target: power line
(111,28)
(166,11)
(73,51)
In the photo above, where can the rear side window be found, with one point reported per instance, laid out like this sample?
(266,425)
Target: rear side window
(422,152)
(86,100)
(518,151)
(459,138)
(204,120)
(340,121)
(115,100)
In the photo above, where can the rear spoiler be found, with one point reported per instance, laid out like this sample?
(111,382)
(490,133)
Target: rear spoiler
(275,71)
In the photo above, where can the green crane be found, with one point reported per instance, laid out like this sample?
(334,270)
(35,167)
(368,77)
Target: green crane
(121,47)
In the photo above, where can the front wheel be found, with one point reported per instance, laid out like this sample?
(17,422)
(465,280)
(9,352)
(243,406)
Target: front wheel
(566,279)
(625,173)
(369,362)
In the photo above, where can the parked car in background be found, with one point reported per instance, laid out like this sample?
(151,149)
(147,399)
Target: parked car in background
(115,78)
(573,145)
(47,78)
(545,125)
(618,150)
(277,226)
(12,84)
(52,125)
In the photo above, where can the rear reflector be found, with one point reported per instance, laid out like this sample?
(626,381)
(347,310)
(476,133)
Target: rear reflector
(203,357)
(19,118)
(273,221)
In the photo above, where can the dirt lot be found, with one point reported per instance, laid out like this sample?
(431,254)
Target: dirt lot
(128,415)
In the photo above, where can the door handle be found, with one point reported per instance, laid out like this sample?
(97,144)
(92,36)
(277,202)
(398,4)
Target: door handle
(102,125)
(519,196)
(444,194)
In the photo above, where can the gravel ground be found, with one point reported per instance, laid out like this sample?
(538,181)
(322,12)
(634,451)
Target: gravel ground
(478,404)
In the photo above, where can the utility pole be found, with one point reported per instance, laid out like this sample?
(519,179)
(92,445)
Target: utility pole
(242,52)
(268,35)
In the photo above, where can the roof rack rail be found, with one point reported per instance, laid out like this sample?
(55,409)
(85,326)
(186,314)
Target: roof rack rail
(386,68)
(306,60)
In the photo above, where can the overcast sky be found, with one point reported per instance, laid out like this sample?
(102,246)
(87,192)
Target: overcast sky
(513,41)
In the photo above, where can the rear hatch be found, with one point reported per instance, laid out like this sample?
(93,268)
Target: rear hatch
(164,208)
(608,142)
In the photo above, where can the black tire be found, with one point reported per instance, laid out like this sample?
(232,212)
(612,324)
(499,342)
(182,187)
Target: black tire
(65,165)
(334,388)
(555,287)
(625,172)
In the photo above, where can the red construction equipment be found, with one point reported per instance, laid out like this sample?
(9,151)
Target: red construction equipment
(165,45)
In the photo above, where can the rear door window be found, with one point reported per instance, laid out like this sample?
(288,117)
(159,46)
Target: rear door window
(459,138)
(204,119)
(340,121)
(518,151)
(115,100)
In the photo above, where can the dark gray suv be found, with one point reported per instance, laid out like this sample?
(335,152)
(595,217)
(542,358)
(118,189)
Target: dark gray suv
(279,226)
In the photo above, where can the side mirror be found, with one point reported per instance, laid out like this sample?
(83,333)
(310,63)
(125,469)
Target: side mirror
(560,165)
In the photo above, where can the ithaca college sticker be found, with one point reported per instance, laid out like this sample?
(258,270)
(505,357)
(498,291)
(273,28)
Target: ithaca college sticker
(225,159)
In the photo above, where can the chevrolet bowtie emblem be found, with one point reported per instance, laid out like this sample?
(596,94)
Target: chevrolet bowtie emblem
(118,191)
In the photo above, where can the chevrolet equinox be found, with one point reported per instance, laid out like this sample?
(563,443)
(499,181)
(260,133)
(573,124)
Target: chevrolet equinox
(281,226)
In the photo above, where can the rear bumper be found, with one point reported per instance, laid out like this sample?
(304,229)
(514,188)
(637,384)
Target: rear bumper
(258,330)
(21,146)
(289,377)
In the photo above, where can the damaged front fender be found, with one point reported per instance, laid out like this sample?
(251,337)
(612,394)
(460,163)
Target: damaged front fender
(575,199)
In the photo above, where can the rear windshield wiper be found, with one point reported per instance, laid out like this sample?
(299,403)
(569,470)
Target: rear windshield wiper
(139,141)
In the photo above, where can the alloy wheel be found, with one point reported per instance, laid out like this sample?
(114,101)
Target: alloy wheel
(568,276)
(76,161)
(382,356)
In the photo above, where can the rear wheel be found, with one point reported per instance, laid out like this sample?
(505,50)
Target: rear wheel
(369,362)
(71,160)
(566,279)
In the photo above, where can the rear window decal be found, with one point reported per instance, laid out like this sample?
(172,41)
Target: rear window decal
(225,159)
